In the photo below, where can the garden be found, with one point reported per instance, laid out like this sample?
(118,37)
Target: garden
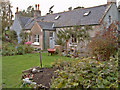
(21,63)
(12,66)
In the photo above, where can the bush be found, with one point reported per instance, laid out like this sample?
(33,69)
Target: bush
(13,35)
(87,73)
(104,44)
(5,53)
(9,49)
(19,50)
(28,49)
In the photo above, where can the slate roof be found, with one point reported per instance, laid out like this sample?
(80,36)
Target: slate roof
(23,20)
(46,25)
(68,18)
(76,17)
(29,24)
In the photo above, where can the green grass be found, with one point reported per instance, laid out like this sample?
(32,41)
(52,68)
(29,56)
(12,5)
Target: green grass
(12,66)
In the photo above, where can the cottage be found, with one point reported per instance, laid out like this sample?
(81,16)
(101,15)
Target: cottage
(44,28)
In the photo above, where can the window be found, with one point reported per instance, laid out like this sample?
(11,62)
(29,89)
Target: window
(109,19)
(57,17)
(36,38)
(74,40)
(51,34)
(87,13)
(29,38)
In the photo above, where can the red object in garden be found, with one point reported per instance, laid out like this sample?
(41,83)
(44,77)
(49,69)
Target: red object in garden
(51,51)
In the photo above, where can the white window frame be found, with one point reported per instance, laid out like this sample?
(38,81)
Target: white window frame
(36,38)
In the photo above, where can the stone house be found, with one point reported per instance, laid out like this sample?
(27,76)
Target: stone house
(44,28)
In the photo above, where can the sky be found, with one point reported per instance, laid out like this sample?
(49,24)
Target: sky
(59,5)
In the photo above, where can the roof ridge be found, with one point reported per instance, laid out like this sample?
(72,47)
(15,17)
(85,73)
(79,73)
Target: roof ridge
(25,17)
(45,21)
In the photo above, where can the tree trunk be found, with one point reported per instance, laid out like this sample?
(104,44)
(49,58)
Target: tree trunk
(66,47)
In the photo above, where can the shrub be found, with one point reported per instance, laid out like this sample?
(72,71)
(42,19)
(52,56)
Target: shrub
(103,45)
(9,49)
(28,49)
(87,73)
(24,37)
(19,50)
(5,53)
(28,43)
(13,35)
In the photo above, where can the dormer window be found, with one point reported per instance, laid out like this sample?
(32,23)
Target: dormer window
(110,20)
(57,17)
(53,25)
(87,13)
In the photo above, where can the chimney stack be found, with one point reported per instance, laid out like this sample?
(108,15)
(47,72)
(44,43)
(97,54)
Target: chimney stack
(17,10)
(37,12)
(38,6)
(119,6)
(16,13)
(111,1)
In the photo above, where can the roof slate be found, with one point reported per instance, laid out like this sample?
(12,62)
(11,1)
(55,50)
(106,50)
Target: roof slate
(69,18)
(23,20)
(46,25)
(76,17)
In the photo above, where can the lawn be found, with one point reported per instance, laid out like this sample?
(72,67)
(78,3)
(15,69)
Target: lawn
(12,66)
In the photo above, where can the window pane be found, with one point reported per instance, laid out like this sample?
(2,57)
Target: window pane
(38,38)
(51,34)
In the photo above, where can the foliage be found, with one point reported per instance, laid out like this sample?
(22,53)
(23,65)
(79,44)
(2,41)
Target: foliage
(28,13)
(4,12)
(12,35)
(24,37)
(28,43)
(19,50)
(80,33)
(63,37)
(104,44)
(28,49)
(9,49)
(86,73)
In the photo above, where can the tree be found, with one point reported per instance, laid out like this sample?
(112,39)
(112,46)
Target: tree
(63,37)
(13,35)
(78,32)
(6,14)
(104,44)
(78,7)
(81,33)
(24,36)
(28,13)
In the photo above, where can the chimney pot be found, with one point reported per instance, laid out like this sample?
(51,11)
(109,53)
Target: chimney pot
(17,10)
(111,1)
(35,6)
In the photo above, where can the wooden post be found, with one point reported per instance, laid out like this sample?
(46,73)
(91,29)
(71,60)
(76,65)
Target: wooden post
(40,57)
(66,47)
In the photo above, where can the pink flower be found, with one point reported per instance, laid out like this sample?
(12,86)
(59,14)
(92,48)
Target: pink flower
(28,43)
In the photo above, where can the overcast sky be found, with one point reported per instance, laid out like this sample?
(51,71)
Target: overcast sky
(59,5)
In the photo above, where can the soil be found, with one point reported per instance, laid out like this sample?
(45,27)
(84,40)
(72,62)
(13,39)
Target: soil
(43,77)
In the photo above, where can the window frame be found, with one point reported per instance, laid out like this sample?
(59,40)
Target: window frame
(36,38)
